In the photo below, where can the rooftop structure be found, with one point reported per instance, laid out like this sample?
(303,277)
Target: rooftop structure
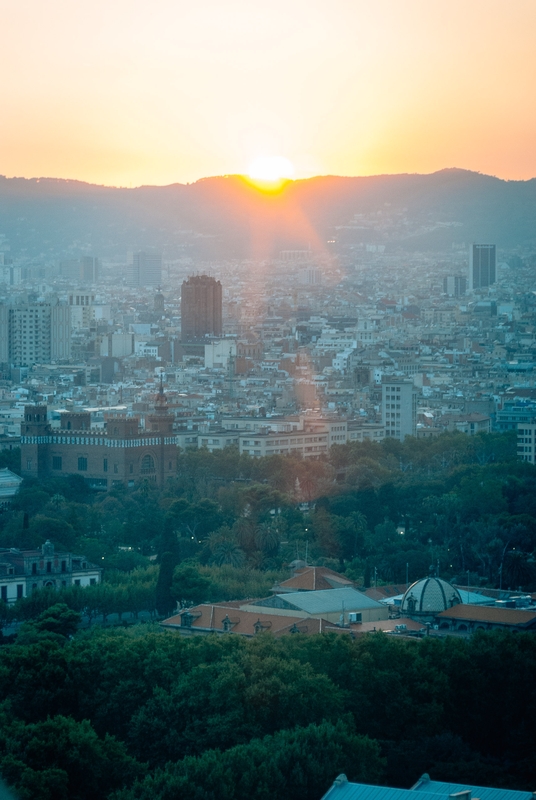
(428,597)
(343,789)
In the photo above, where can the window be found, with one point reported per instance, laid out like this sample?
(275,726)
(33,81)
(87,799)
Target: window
(92,581)
(20,589)
(28,463)
(49,566)
(105,465)
(77,582)
(56,462)
(147,464)
(131,468)
(82,464)
(3,593)
(64,566)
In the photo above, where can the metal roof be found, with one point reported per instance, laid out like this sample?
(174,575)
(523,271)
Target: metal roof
(325,601)
(482,792)
(428,790)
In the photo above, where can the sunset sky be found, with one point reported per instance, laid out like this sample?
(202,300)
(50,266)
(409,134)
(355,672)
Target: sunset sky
(124,92)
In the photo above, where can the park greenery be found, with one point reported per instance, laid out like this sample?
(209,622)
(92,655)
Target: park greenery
(133,711)
(228,525)
(139,713)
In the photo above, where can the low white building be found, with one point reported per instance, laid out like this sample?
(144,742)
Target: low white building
(24,571)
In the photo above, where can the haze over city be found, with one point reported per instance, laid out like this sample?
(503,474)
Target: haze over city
(268,400)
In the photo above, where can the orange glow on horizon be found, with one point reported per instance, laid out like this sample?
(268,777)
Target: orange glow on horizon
(115,94)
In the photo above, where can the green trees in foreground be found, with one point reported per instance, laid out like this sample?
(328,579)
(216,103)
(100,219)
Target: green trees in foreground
(299,763)
(138,713)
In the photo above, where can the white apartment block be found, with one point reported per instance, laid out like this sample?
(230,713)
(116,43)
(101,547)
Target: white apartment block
(35,333)
(526,441)
(399,407)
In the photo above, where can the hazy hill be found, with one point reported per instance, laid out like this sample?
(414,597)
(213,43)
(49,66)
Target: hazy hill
(227,216)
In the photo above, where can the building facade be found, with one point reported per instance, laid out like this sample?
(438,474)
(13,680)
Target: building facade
(34,333)
(146,269)
(482,266)
(201,308)
(24,571)
(399,407)
(123,454)
(526,441)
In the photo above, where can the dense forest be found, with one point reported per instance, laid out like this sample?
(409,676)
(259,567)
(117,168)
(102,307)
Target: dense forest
(138,712)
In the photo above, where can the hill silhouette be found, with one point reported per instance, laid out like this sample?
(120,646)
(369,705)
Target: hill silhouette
(228,217)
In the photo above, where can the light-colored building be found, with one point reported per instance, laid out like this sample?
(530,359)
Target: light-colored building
(399,407)
(269,443)
(24,571)
(333,605)
(34,333)
(526,441)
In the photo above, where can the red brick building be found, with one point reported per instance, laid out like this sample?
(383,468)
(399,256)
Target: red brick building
(121,454)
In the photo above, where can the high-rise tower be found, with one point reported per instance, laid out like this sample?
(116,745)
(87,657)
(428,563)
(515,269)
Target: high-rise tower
(482,266)
(201,308)
(146,269)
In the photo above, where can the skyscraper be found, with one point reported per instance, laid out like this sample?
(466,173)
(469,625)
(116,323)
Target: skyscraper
(201,308)
(482,266)
(146,269)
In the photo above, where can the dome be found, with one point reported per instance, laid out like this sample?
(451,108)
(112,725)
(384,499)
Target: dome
(428,597)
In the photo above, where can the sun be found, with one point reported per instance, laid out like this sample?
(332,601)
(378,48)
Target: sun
(271,170)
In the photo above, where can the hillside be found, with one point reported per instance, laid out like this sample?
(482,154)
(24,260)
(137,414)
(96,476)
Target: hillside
(227,217)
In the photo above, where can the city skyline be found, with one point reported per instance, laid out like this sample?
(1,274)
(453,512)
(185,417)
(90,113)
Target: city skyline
(113,95)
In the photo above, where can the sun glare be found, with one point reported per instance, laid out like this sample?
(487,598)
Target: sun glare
(271,169)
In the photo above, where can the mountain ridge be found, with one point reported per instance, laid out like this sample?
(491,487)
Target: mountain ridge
(55,217)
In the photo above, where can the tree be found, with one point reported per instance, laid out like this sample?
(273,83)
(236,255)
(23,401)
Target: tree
(164,600)
(58,619)
(301,763)
(60,759)
(189,587)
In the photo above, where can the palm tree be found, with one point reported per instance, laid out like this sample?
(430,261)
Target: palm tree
(227,551)
(267,537)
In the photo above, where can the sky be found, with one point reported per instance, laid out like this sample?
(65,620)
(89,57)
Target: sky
(125,92)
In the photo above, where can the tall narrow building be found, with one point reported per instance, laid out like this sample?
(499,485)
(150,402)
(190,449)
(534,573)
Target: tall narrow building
(482,266)
(399,407)
(201,308)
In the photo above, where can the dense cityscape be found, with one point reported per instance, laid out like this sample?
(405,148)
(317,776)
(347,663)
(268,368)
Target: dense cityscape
(335,441)
(268,400)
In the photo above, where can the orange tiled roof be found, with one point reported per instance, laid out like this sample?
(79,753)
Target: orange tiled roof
(315,578)
(498,616)
(211,618)
(382,592)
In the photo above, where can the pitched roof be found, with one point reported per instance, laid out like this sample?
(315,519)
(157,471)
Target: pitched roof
(313,579)
(482,792)
(210,618)
(326,601)
(382,592)
(430,790)
(497,616)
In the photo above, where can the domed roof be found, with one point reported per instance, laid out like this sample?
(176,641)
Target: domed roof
(429,596)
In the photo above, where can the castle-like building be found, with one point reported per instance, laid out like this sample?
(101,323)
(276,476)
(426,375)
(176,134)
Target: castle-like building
(121,455)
